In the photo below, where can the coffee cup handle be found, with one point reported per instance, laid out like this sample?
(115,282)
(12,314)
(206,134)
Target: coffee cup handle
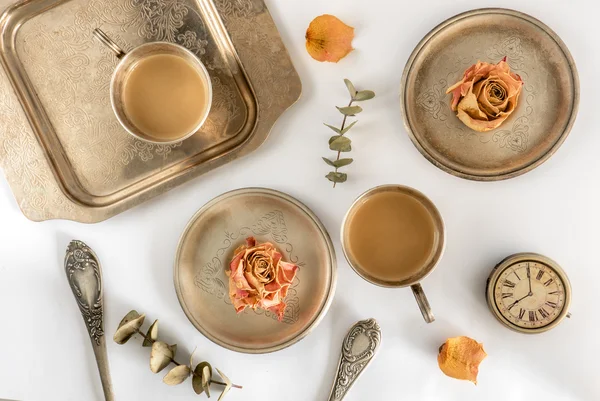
(108,42)
(422,302)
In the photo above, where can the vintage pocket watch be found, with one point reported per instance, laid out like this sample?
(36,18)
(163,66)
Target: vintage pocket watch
(529,293)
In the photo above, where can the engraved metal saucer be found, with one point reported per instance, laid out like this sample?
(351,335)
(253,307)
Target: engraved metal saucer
(206,248)
(545,113)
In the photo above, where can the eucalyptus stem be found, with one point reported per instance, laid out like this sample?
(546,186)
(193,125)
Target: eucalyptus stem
(152,341)
(340,143)
(223,384)
(342,129)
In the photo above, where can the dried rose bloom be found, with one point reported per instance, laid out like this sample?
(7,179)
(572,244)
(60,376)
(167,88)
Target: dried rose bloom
(259,278)
(486,96)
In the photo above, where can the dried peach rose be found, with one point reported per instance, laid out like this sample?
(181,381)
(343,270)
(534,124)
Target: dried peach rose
(460,357)
(329,39)
(259,278)
(486,96)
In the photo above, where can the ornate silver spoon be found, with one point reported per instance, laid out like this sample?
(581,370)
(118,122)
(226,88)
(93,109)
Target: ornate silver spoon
(85,279)
(358,349)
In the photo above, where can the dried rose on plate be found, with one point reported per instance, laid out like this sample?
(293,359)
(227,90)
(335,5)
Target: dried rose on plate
(460,357)
(486,96)
(259,278)
(329,39)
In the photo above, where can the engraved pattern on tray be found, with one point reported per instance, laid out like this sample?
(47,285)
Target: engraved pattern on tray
(275,84)
(71,72)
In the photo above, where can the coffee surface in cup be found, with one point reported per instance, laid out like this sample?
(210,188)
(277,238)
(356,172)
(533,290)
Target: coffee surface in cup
(165,96)
(391,236)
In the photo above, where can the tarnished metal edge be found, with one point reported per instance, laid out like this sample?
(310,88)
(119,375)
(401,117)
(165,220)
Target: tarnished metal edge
(332,258)
(535,163)
(263,126)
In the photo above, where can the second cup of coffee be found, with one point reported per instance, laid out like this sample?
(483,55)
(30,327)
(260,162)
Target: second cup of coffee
(393,236)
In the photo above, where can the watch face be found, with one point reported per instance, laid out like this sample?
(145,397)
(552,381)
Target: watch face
(530,295)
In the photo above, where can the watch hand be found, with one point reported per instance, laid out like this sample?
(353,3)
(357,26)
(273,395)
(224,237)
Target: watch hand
(529,278)
(518,300)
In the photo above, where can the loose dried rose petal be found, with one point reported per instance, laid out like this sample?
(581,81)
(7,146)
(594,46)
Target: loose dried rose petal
(329,39)
(460,357)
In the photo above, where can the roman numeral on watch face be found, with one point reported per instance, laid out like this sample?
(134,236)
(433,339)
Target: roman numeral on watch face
(507,295)
(551,304)
(539,275)
(547,283)
(532,316)
(521,313)
(509,284)
(543,312)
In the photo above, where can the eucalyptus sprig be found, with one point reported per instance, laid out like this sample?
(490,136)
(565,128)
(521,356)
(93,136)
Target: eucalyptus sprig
(340,142)
(162,355)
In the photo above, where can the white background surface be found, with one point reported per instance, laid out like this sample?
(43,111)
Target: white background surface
(554,210)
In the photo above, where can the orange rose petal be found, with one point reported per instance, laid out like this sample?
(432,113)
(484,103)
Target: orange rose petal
(460,357)
(329,39)
(470,106)
(479,125)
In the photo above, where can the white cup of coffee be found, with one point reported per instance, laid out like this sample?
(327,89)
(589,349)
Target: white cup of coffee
(160,92)
(394,236)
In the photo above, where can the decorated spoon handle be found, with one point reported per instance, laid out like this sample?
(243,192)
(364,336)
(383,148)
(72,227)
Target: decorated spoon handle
(358,349)
(85,279)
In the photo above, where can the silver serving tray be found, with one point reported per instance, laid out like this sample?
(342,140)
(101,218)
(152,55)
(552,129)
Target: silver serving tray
(62,150)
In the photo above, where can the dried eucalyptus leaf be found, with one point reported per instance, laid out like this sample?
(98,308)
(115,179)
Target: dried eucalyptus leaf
(125,332)
(350,87)
(160,356)
(364,95)
(129,317)
(206,375)
(326,160)
(346,129)
(203,365)
(192,358)
(340,144)
(350,110)
(177,375)
(152,334)
(333,128)
(336,177)
(197,383)
(197,379)
(342,162)
(227,384)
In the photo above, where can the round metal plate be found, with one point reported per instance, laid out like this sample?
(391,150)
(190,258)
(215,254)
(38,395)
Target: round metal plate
(206,247)
(547,106)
